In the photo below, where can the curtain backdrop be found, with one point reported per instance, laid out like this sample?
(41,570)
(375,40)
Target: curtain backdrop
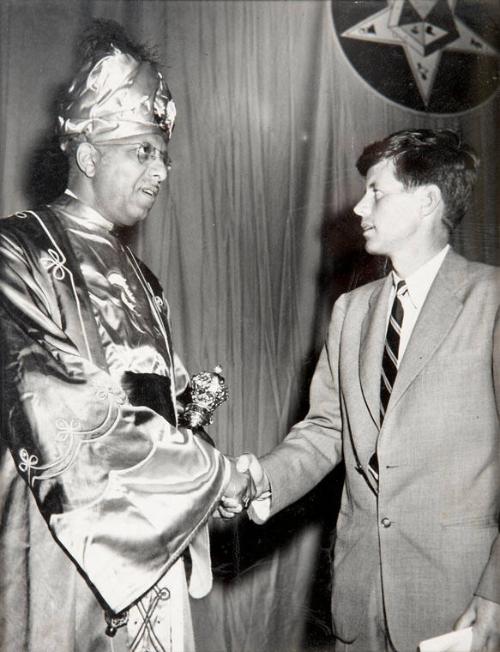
(253,237)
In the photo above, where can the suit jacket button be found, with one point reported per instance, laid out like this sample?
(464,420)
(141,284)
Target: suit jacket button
(386,522)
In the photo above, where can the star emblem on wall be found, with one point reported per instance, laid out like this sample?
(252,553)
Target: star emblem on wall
(425,29)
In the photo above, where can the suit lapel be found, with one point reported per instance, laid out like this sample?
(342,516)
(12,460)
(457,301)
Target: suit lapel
(439,312)
(372,347)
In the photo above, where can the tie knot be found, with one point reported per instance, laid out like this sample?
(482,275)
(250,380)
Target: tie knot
(401,288)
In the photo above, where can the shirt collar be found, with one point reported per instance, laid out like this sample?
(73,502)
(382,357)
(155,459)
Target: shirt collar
(419,283)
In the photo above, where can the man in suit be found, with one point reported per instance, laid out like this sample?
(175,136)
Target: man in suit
(407,393)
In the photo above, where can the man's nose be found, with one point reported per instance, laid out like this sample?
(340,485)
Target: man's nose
(362,208)
(158,168)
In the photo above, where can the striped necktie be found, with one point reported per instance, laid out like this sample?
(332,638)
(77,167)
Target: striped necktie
(390,360)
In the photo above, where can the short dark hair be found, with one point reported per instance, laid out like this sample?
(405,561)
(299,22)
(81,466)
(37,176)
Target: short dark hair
(425,156)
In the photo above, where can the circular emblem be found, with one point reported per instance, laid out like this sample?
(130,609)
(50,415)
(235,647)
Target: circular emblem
(432,56)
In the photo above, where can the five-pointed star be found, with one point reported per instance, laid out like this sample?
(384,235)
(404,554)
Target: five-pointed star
(425,29)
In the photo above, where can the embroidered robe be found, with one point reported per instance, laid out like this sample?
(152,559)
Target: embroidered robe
(122,489)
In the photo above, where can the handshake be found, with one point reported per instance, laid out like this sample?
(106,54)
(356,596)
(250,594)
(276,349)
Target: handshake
(246,478)
(247,482)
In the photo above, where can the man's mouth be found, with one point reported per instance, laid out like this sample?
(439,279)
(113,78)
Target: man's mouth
(151,191)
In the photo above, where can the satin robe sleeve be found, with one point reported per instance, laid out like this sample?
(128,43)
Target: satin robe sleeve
(122,491)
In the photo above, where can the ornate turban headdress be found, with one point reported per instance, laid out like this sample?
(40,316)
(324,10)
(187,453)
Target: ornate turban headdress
(114,98)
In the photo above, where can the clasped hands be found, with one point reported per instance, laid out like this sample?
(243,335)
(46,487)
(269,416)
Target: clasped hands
(245,484)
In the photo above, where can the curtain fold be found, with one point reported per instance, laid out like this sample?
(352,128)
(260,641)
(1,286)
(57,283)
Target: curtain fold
(253,237)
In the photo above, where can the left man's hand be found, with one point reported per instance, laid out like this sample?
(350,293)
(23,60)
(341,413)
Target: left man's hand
(484,617)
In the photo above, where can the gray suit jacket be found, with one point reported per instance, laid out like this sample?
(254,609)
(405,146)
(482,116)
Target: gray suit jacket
(433,527)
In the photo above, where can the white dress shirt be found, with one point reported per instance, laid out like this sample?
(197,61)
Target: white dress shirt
(418,284)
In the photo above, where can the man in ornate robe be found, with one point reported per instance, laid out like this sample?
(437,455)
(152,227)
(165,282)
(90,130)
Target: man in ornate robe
(91,442)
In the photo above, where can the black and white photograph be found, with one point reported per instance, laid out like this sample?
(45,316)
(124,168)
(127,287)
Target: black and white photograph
(249,326)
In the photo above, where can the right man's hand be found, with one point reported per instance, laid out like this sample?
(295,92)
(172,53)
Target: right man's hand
(484,617)
(238,493)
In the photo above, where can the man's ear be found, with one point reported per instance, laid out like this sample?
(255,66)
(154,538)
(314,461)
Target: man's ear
(86,159)
(431,199)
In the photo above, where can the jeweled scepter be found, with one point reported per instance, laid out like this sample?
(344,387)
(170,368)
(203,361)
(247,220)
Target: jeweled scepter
(207,391)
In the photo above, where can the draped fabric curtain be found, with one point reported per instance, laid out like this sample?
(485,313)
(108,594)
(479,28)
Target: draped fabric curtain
(253,237)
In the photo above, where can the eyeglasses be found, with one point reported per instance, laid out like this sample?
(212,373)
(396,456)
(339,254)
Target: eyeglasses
(145,152)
